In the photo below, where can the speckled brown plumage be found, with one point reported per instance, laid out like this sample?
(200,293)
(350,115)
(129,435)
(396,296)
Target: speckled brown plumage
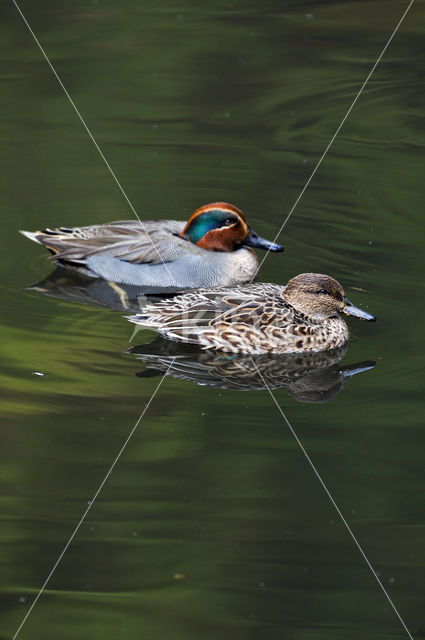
(257,318)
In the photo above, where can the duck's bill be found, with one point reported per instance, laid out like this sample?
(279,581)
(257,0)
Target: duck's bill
(351,310)
(352,369)
(254,240)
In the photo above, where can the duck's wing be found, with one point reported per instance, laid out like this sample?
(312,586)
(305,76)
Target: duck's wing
(187,316)
(253,304)
(137,242)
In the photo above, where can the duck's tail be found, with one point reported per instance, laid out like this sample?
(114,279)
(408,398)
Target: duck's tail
(32,235)
(40,237)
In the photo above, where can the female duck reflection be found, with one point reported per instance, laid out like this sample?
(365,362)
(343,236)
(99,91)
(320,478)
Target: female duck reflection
(307,377)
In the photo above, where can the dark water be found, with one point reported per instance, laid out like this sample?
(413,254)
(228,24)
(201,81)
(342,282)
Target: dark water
(212,524)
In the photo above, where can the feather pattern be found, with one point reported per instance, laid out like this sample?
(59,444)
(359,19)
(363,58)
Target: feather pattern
(127,240)
(251,319)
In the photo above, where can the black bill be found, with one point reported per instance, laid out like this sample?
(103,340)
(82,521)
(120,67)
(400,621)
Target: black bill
(254,240)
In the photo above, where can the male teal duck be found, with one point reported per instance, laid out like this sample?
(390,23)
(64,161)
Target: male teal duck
(210,249)
(258,318)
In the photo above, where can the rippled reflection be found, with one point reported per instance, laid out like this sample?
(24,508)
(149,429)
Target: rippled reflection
(314,377)
(68,284)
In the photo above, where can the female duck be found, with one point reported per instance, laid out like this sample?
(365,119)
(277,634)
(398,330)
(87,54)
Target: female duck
(258,318)
(211,249)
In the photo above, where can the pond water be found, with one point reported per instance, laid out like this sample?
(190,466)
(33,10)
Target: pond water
(212,523)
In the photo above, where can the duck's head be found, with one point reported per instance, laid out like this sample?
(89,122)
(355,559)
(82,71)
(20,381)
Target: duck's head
(320,297)
(222,227)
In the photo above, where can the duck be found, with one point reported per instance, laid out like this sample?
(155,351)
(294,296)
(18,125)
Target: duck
(303,316)
(213,248)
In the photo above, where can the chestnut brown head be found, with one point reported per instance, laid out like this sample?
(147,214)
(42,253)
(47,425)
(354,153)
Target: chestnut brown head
(222,227)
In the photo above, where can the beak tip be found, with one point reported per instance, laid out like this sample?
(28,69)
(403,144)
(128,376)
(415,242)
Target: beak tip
(278,248)
(254,240)
(351,310)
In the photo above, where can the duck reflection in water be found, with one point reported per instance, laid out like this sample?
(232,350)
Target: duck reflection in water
(307,377)
(73,286)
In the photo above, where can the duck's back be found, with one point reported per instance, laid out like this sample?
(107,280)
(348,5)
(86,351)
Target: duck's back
(128,240)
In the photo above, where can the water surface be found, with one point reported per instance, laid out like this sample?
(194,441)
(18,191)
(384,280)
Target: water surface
(212,523)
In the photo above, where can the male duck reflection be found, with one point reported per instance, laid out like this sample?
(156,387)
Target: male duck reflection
(258,318)
(210,249)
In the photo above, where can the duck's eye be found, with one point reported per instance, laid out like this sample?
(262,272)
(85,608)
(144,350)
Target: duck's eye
(323,291)
(228,222)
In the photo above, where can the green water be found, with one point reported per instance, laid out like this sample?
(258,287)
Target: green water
(212,524)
